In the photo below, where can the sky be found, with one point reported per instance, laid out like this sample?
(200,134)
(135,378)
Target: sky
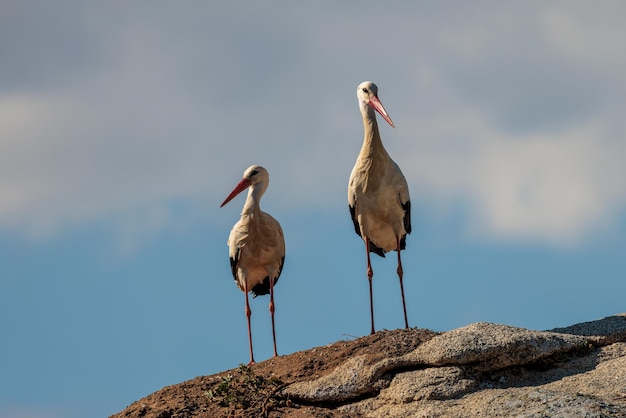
(124,125)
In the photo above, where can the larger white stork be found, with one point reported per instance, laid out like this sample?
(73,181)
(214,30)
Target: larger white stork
(378,194)
(256,245)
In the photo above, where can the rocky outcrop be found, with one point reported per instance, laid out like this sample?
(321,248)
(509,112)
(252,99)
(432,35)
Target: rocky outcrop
(487,370)
(481,370)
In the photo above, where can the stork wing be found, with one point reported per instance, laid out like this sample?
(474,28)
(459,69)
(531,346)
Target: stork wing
(280,269)
(234,261)
(403,195)
(355,221)
(407,216)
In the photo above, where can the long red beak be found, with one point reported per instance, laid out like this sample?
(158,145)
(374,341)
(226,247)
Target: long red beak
(243,185)
(378,106)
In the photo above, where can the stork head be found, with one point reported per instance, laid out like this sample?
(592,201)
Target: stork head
(367,93)
(253,176)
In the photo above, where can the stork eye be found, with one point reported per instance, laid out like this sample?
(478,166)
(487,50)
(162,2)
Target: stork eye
(254,172)
(364,90)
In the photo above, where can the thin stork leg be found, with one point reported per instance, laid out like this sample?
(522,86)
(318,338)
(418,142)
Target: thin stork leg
(272,309)
(370,275)
(248,315)
(400,275)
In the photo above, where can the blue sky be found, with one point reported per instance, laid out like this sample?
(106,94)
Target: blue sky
(123,126)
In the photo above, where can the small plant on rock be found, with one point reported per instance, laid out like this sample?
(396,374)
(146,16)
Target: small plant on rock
(244,390)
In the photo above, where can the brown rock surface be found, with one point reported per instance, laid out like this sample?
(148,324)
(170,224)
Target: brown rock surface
(481,370)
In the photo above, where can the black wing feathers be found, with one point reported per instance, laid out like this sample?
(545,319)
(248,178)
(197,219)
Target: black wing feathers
(355,221)
(407,216)
(264,288)
(233,264)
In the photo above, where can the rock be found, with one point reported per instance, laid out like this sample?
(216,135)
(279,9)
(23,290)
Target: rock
(427,384)
(609,329)
(480,370)
(484,346)
(493,346)
(344,382)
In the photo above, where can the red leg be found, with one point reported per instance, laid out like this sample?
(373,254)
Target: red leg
(400,275)
(248,315)
(370,275)
(272,309)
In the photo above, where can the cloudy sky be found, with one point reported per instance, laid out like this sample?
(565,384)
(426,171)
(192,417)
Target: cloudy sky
(124,125)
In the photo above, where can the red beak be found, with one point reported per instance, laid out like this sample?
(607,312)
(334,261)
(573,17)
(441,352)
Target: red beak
(378,106)
(243,185)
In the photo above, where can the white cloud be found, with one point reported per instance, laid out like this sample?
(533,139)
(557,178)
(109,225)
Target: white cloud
(513,111)
(557,188)
(588,34)
(36,132)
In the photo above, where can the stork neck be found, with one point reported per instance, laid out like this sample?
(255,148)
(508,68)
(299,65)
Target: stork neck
(372,144)
(252,205)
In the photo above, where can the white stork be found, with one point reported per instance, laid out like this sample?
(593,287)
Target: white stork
(256,245)
(378,194)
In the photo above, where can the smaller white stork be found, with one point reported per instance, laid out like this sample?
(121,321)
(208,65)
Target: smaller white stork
(378,195)
(256,245)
